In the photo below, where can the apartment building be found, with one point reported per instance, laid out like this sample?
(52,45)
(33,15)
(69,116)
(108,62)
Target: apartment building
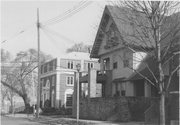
(57,78)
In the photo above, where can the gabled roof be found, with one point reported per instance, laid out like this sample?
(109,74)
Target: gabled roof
(120,20)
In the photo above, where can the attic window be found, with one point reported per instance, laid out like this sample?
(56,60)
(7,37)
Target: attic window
(112,39)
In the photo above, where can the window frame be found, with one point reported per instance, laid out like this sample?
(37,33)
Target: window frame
(70,64)
(70,79)
(115,65)
(68,106)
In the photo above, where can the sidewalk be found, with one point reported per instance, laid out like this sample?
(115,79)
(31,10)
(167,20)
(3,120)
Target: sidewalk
(57,120)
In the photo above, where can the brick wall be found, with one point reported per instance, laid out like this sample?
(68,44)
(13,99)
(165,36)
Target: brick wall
(114,109)
(64,87)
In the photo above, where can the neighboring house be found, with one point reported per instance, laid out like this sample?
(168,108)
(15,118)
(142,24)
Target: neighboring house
(57,78)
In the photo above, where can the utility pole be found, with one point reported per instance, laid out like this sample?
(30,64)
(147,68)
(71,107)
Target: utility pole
(78,66)
(39,68)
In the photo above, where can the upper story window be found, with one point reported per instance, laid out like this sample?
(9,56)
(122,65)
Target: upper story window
(126,63)
(51,66)
(70,80)
(70,64)
(88,65)
(115,65)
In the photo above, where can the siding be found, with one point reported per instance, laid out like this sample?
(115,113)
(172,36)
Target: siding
(118,56)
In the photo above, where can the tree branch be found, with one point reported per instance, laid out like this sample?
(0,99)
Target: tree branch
(12,88)
(170,77)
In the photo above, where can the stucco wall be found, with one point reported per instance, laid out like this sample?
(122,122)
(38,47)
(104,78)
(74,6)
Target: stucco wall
(117,56)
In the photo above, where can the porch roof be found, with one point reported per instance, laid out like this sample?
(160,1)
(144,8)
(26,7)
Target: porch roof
(122,79)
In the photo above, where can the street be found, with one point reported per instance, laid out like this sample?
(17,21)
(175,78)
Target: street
(5,120)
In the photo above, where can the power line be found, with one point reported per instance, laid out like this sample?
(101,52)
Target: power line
(57,34)
(49,37)
(66,12)
(71,13)
(17,34)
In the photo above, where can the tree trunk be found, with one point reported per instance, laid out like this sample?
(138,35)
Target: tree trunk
(12,106)
(162,109)
(26,103)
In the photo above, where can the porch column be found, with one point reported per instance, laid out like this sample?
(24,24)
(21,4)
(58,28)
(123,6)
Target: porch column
(57,94)
(92,74)
(74,110)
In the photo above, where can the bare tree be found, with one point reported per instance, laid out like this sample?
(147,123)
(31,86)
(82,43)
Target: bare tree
(156,25)
(80,47)
(17,74)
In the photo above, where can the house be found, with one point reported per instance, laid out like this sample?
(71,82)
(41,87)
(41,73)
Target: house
(115,57)
(57,78)
(118,56)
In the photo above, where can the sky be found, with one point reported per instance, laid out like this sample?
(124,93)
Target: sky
(55,38)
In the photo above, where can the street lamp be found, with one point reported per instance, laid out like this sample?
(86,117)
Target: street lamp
(78,66)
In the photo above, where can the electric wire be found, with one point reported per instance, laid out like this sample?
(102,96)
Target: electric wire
(68,15)
(66,12)
(50,38)
(17,34)
(58,34)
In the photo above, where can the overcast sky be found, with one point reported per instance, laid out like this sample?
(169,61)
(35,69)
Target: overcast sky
(20,16)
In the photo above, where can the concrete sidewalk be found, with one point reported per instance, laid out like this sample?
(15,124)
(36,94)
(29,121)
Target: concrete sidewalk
(58,120)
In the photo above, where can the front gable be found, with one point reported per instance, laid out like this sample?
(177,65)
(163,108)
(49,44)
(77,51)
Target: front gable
(116,31)
(108,37)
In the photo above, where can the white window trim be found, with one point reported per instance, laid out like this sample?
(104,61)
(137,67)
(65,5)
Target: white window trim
(68,91)
(71,62)
(67,81)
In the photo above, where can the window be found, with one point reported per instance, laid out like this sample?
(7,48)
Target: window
(70,64)
(68,100)
(88,65)
(115,65)
(91,65)
(70,80)
(126,63)
(51,66)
